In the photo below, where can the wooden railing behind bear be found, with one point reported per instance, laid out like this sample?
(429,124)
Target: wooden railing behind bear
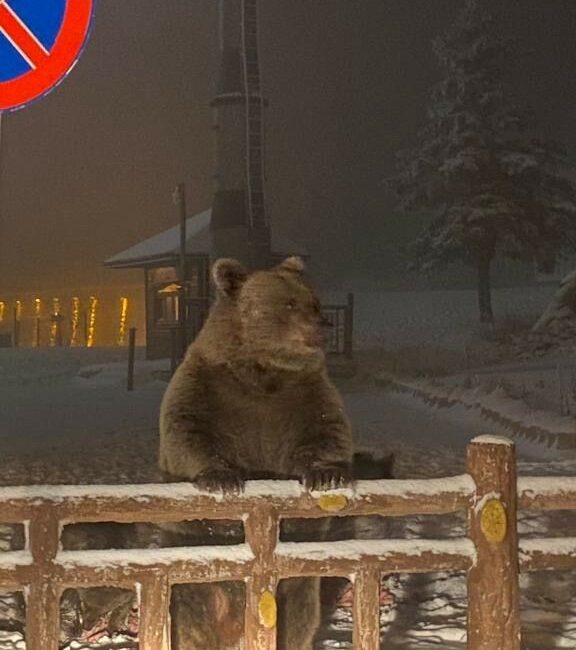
(490,554)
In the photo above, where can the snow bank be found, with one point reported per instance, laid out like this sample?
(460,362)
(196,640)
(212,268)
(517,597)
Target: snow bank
(512,414)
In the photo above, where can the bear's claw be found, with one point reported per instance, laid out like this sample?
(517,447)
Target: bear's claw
(228,480)
(327,477)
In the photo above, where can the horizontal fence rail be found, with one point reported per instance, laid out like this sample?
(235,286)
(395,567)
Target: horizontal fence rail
(491,553)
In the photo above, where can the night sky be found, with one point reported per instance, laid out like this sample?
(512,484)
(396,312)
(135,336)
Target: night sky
(89,170)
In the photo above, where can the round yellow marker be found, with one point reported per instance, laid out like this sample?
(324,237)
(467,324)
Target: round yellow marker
(493,521)
(332,502)
(267,610)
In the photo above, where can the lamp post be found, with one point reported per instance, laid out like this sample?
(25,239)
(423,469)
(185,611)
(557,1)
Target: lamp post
(180,198)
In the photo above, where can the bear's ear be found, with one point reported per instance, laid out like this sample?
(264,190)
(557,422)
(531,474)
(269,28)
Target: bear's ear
(229,275)
(293,264)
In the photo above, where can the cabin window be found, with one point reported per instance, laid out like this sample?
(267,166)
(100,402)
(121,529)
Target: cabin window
(167,301)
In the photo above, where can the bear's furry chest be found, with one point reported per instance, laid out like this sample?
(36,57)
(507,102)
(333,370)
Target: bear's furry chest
(258,427)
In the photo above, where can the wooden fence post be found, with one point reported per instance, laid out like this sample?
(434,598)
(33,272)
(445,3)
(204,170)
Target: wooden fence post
(493,589)
(262,528)
(131,356)
(42,602)
(367,609)
(154,633)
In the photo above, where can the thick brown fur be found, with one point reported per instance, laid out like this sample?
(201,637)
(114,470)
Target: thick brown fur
(252,398)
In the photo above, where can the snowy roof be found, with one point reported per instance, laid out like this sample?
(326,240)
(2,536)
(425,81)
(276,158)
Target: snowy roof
(166,244)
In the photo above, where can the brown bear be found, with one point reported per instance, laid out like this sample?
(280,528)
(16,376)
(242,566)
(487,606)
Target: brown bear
(252,399)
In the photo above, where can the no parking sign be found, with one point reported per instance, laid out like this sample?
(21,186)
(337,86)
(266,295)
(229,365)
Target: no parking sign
(40,41)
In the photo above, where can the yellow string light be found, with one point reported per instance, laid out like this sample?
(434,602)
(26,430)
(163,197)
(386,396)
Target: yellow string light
(75,321)
(54,324)
(92,321)
(37,312)
(18,310)
(123,319)
(2,310)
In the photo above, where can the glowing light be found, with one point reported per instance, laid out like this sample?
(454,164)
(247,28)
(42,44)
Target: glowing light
(2,310)
(17,318)
(91,321)
(123,318)
(37,312)
(75,322)
(55,323)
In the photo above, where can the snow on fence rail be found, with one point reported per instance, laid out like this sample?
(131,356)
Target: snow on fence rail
(491,553)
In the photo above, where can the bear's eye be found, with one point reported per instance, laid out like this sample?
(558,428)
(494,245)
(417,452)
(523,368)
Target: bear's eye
(291,304)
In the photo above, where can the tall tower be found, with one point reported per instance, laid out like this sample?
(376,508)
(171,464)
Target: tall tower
(239,226)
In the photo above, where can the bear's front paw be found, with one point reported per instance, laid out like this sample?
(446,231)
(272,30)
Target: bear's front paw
(327,477)
(229,481)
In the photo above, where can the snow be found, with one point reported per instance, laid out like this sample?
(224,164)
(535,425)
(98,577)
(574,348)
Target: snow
(10,559)
(546,485)
(555,545)
(484,500)
(380,549)
(167,243)
(493,440)
(11,641)
(436,318)
(175,491)
(152,556)
(512,414)
(458,485)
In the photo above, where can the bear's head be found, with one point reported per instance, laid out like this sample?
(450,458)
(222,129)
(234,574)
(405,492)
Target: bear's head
(276,312)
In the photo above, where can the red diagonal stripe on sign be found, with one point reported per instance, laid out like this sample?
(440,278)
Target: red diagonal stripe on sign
(21,37)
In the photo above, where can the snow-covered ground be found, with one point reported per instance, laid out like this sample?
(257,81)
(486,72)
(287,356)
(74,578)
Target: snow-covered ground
(443,318)
(65,417)
(89,446)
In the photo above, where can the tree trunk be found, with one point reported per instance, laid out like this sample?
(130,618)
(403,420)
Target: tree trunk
(484,290)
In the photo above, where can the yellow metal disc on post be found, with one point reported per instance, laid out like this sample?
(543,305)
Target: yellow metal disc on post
(332,502)
(493,521)
(267,610)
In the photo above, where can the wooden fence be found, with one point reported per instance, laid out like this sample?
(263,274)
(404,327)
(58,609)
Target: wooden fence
(491,555)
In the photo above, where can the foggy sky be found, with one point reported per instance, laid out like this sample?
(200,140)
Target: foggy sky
(89,170)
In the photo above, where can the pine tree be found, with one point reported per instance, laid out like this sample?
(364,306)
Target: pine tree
(489,184)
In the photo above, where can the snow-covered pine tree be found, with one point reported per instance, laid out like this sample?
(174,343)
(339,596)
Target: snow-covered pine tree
(488,183)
